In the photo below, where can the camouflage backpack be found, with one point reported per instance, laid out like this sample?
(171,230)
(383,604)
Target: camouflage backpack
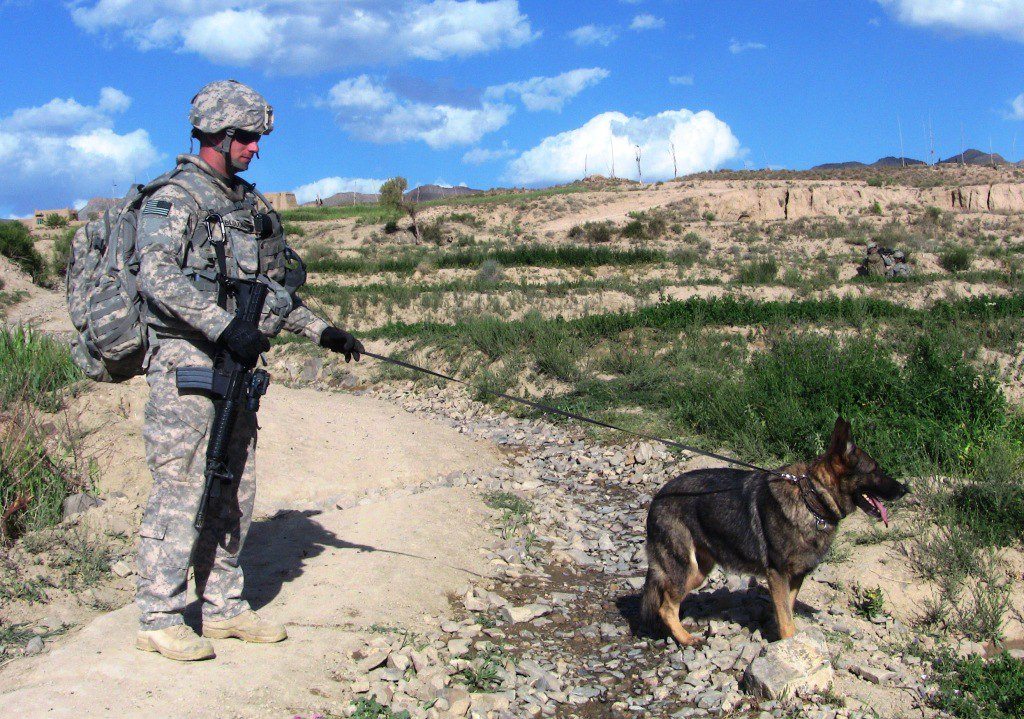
(102,289)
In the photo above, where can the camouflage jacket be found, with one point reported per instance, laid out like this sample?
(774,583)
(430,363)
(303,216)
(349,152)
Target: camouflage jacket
(177,261)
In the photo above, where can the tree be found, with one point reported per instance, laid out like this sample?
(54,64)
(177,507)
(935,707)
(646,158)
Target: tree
(392,196)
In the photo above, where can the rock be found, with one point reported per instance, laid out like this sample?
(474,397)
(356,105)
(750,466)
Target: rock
(371,662)
(34,646)
(459,701)
(515,615)
(360,686)
(458,647)
(122,568)
(78,503)
(870,674)
(790,667)
(398,661)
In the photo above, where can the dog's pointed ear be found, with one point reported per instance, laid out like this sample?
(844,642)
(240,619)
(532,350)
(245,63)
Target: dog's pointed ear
(841,443)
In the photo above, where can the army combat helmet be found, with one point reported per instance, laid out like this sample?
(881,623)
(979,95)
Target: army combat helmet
(229,106)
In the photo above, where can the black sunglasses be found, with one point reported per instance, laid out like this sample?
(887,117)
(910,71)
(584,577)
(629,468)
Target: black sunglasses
(247,137)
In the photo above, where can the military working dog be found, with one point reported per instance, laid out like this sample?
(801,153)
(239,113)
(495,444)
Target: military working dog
(773,525)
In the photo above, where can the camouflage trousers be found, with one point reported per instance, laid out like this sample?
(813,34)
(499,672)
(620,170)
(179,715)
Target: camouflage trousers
(176,431)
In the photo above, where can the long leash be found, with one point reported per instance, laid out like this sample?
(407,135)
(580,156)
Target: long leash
(571,415)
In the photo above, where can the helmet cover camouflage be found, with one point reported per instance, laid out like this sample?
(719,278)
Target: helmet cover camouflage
(899,255)
(230,104)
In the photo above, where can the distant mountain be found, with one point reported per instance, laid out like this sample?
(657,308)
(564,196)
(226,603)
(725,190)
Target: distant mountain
(424,193)
(891,161)
(96,207)
(975,157)
(839,166)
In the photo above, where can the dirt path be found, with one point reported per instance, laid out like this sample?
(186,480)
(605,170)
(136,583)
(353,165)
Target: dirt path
(402,542)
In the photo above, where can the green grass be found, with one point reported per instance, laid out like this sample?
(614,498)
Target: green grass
(370,708)
(976,688)
(868,603)
(16,245)
(523,256)
(34,366)
(369,213)
(956,259)
(758,272)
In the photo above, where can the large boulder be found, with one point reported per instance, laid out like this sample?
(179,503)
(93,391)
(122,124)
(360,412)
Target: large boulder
(790,667)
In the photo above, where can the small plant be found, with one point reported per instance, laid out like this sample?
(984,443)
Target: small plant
(16,245)
(370,708)
(390,227)
(490,272)
(294,229)
(684,257)
(868,603)
(61,253)
(708,216)
(875,182)
(484,672)
(597,232)
(956,259)
(54,221)
(876,208)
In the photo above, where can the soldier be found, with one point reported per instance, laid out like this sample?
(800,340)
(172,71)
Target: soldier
(900,267)
(873,265)
(189,322)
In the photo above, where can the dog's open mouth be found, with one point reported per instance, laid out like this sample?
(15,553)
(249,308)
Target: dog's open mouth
(873,506)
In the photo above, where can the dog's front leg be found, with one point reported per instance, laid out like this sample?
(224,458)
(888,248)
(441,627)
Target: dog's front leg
(782,591)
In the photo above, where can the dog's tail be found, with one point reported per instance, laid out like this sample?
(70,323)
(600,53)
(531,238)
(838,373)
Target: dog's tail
(650,602)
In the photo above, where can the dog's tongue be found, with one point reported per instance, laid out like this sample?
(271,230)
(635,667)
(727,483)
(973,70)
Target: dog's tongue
(877,504)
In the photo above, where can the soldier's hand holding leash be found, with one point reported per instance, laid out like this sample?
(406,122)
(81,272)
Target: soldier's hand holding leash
(342,342)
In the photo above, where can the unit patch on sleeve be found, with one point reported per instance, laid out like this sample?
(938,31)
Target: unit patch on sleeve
(156,207)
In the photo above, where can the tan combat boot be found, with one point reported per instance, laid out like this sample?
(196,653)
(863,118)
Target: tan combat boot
(178,642)
(247,626)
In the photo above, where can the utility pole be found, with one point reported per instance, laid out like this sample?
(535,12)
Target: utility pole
(675,167)
(611,143)
(962,163)
(639,172)
(586,157)
(931,139)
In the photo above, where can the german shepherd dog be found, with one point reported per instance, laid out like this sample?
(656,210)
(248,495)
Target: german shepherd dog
(776,526)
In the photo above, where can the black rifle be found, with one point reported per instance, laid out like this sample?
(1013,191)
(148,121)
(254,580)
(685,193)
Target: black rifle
(231,384)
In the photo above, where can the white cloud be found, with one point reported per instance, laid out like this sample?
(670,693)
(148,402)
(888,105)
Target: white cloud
(327,186)
(646,21)
(1016,108)
(701,141)
(311,36)
(371,112)
(549,93)
(480,155)
(988,17)
(681,80)
(53,154)
(594,35)
(736,47)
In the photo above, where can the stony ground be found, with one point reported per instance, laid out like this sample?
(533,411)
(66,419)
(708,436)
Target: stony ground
(554,634)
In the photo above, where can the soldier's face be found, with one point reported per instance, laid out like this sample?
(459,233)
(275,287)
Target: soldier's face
(244,146)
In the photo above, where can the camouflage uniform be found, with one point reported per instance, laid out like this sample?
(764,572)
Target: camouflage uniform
(177,279)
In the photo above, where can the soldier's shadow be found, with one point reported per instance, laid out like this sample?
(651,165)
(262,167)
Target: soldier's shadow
(277,550)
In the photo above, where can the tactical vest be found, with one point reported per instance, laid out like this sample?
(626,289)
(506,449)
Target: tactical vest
(253,245)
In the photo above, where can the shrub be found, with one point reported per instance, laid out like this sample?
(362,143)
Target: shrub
(35,367)
(875,182)
(956,259)
(709,216)
(390,227)
(61,253)
(759,272)
(319,253)
(979,688)
(876,208)
(592,232)
(433,232)
(53,221)
(294,229)
(684,257)
(16,245)
(634,229)
(490,272)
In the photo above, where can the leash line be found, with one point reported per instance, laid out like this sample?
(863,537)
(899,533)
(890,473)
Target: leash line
(572,415)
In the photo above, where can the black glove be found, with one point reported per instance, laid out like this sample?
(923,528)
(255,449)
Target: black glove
(244,341)
(341,341)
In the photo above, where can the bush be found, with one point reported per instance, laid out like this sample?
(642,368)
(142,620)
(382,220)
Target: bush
(16,245)
(876,208)
(35,367)
(61,253)
(709,216)
(433,232)
(979,688)
(956,259)
(490,272)
(760,272)
(390,227)
(592,232)
(53,221)
(319,253)
(294,229)
(684,257)
(634,229)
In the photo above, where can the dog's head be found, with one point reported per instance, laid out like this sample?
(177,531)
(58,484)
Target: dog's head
(855,478)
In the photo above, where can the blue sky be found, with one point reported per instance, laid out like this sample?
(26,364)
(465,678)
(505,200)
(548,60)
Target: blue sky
(500,92)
